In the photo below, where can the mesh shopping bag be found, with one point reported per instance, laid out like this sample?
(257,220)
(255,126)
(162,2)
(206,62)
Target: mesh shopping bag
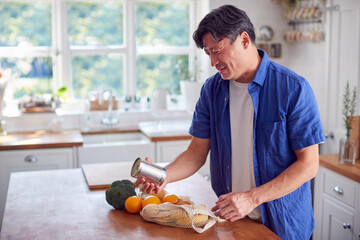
(193,216)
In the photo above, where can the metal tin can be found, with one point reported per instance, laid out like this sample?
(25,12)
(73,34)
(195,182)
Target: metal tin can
(150,171)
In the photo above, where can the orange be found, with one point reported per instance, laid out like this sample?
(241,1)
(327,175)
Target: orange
(160,195)
(150,200)
(133,204)
(172,198)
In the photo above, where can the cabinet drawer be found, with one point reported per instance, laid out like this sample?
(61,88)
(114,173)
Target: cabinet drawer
(340,188)
(39,159)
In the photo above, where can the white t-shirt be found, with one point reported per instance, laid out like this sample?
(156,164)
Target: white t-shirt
(242,140)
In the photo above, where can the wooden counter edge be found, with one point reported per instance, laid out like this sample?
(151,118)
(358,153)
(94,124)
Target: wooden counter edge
(41,146)
(331,161)
(170,138)
(110,131)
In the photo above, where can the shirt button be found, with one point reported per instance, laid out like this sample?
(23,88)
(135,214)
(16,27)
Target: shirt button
(228,188)
(225,99)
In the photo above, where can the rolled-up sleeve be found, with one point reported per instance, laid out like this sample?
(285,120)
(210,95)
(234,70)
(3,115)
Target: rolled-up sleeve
(303,120)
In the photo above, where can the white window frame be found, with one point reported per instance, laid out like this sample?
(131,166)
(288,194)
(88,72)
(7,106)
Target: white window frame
(129,49)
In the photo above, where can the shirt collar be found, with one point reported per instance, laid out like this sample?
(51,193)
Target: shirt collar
(262,69)
(260,73)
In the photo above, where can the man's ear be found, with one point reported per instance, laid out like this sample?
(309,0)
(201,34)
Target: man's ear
(245,39)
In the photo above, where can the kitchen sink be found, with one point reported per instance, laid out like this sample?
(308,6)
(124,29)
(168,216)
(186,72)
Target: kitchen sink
(115,147)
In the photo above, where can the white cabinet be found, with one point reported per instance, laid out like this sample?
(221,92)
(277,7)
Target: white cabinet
(167,151)
(30,160)
(336,206)
(338,220)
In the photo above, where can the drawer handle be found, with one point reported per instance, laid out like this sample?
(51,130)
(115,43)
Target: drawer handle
(339,190)
(346,225)
(31,159)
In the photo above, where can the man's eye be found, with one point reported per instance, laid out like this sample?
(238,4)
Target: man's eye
(216,51)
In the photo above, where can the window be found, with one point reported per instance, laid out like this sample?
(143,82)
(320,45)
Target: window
(129,46)
(165,25)
(95,33)
(25,46)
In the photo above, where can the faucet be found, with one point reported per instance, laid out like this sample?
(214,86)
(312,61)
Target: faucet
(109,121)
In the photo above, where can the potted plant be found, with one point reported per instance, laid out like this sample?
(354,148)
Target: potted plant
(189,87)
(347,152)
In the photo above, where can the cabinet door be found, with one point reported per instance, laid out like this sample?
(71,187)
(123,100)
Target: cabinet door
(338,221)
(357,217)
(167,151)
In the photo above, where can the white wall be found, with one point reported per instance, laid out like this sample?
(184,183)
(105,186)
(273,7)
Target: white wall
(306,59)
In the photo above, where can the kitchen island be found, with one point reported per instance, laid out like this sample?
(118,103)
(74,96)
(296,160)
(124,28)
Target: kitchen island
(57,204)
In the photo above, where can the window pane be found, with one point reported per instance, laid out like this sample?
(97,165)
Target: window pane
(32,76)
(95,23)
(160,72)
(25,24)
(160,23)
(97,72)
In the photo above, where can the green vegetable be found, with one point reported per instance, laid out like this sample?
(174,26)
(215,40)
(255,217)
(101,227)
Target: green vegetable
(118,192)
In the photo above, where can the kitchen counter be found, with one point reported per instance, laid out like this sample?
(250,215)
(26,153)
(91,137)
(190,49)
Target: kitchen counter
(41,139)
(58,204)
(331,161)
(166,130)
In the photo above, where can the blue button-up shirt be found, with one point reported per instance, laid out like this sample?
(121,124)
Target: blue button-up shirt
(286,118)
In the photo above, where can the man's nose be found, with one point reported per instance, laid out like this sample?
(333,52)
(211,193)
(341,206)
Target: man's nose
(213,60)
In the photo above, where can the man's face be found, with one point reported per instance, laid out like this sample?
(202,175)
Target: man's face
(228,58)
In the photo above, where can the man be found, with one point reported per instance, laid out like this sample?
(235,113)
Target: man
(261,122)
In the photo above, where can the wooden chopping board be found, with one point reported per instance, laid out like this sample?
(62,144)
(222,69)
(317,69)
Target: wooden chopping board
(101,175)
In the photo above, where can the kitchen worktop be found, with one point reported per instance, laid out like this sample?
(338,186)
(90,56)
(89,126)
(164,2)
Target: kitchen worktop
(166,130)
(36,209)
(41,139)
(154,130)
(331,161)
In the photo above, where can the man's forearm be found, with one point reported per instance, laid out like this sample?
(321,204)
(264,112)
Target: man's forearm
(188,162)
(301,171)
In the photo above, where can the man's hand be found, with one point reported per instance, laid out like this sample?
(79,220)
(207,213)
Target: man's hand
(147,186)
(234,206)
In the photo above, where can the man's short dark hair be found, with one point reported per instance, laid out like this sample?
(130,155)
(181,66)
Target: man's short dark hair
(226,21)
